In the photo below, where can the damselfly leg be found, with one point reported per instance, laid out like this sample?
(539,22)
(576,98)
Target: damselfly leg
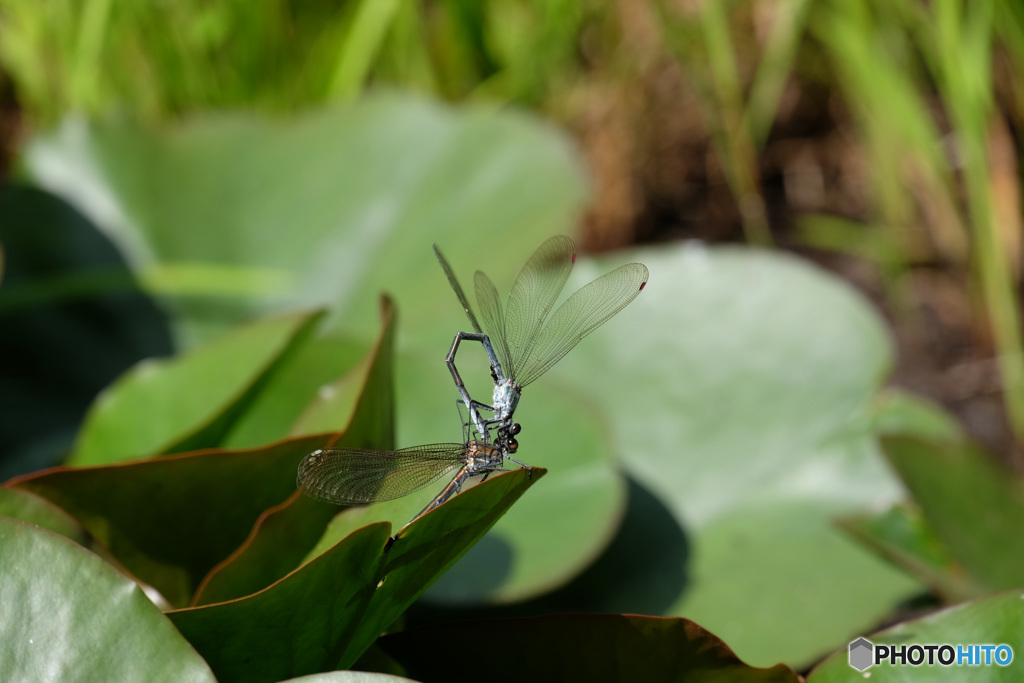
(473,406)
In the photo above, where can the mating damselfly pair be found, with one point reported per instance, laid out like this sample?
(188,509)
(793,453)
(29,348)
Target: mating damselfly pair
(521,342)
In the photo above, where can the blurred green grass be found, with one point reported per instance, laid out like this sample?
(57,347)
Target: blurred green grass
(157,60)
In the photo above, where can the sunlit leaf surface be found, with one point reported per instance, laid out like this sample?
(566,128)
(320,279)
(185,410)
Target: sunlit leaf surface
(65,614)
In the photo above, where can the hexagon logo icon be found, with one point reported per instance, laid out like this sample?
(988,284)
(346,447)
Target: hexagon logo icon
(861,654)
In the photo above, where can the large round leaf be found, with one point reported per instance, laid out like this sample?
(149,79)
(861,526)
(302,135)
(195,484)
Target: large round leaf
(67,615)
(738,385)
(325,208)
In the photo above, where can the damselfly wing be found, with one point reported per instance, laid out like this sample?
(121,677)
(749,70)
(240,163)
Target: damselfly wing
(353,476)
(521,339)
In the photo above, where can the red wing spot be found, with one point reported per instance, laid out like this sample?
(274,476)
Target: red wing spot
(642,285)
(574,257)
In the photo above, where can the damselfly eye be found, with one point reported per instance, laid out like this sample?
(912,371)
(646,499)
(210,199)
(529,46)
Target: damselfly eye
(513,446)
(516,428)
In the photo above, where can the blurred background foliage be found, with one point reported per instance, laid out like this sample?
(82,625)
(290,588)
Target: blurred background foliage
(174,169)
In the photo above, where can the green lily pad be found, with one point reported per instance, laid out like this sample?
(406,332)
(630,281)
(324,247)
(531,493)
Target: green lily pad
(738,388)
(231,214)
(898,412)
(171,520)
(427,548)
(326,613)
(948,479)
(190,401)
(364,400)
(212,497)
(569,647)
(67,615)
(35,510)
(274,547)
(297,626)
(299,380)
(995,620)
(631,575)
(28,507)
(901,535)
(553,535)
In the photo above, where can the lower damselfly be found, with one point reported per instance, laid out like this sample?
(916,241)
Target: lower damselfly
(359,476)
(362,476)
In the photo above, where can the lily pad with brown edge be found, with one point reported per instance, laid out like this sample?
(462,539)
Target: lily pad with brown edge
(573,647)
(172,519)
(425,549)
(325,614)
(297,626)
(361,402)
(36,510)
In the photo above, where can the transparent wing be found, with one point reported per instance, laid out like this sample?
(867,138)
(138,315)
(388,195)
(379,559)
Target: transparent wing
(352,476)
(450,274)
(580,315)
(532,295)
(494,320)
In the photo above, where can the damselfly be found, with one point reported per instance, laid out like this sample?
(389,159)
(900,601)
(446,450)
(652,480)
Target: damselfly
(356,476)
(359,476)
(525,349)
(521,341)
